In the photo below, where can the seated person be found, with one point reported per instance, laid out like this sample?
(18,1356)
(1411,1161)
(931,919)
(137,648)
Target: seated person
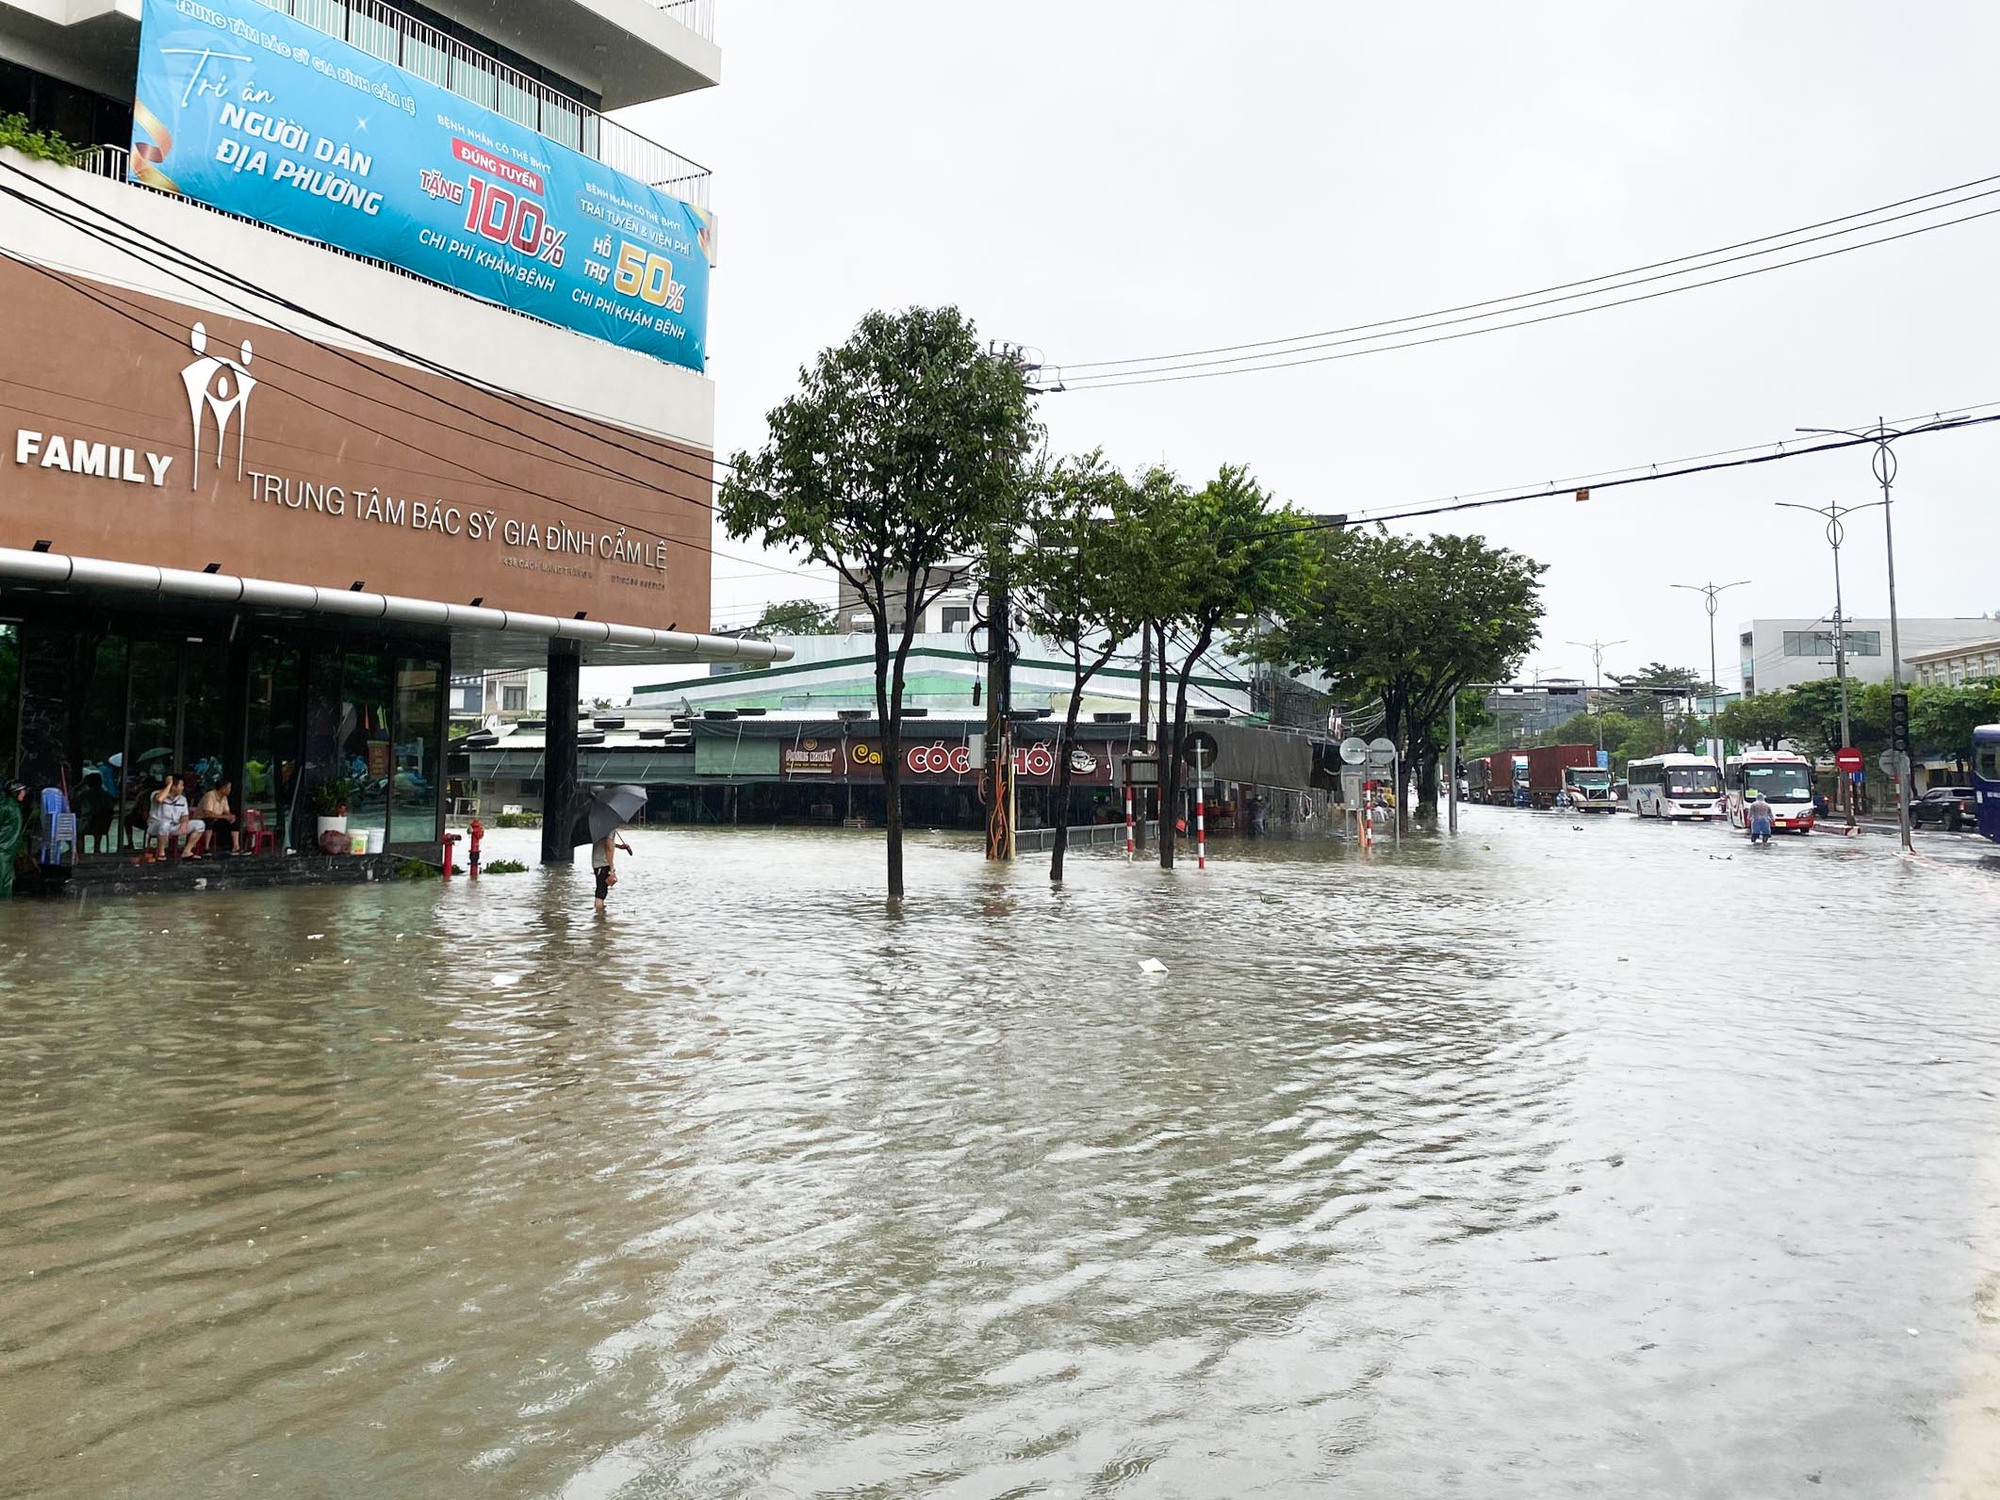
(179,834)
(95,810)
(219,814)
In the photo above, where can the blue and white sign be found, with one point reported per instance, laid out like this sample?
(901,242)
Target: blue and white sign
(248,110)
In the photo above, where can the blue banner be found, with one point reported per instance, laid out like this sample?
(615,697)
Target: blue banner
(248,110)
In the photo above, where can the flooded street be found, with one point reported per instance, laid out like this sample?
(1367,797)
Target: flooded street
(1618,1159)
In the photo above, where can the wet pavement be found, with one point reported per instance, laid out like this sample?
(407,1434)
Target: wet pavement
(1573,1158)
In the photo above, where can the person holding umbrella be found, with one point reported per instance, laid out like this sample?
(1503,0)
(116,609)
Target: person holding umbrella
(603,864)
(597,825)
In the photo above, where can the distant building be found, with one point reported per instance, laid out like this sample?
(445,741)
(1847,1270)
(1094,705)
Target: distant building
(1973,661)
(1778,654)
(950,613)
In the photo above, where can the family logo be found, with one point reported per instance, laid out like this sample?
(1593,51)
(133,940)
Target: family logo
(220,386)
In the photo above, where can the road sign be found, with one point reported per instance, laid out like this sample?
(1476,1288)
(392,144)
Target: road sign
(1353,750)
(1199,742)
(1894,763)
(1141,770)
(1381,754)
(1848,759)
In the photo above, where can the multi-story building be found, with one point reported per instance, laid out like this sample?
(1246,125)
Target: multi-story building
(1778,654)
(1953,666)
(351,351)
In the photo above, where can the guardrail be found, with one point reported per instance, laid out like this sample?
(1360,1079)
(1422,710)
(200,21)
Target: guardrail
(395,37)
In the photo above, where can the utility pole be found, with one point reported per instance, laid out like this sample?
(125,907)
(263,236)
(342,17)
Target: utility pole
(1145,719)
(1836,533)
(1710,591)
(1597,650)
(1884,465)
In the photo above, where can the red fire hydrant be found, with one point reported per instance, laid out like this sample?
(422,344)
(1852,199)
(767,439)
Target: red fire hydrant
(450,840)
(472,850)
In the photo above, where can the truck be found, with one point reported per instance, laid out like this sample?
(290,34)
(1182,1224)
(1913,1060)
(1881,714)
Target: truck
(1499,779)
(1569,773)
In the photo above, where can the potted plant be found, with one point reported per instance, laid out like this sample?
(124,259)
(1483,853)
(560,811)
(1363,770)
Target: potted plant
(330,801)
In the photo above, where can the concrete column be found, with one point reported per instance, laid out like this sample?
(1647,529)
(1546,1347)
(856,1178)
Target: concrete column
(559,760)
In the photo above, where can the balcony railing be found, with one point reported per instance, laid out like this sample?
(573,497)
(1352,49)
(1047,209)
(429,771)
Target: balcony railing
(387,33)
(697,15)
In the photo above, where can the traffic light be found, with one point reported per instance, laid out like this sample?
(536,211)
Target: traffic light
(1899,722)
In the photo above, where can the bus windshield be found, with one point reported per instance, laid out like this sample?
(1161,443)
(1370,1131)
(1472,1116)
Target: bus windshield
(1693,781)
(1778,783)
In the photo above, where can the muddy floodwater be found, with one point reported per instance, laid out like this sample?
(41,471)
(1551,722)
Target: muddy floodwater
(1569,1159)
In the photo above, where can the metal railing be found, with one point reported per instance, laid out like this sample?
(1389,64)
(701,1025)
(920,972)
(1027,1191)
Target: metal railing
(697,15)
(385,32)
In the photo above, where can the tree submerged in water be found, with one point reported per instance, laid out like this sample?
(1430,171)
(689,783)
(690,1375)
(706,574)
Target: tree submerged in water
(902,458)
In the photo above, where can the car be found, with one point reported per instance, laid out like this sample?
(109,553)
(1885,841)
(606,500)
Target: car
(1950,807)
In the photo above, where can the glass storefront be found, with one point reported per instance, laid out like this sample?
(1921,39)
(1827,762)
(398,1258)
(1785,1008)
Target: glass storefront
(106,708)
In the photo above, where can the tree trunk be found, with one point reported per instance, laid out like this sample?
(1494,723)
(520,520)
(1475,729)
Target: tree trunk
(1171,784)
(888,711)
(1427,758)
(1064,747)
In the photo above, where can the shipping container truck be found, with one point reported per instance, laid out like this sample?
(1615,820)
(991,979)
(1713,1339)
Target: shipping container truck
(1568,773)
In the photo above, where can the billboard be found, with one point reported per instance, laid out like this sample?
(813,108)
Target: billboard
(250,111)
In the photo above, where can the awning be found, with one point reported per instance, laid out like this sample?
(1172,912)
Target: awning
(495,637)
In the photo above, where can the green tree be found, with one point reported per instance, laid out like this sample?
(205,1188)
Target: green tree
(1942,717)
(903,453)
(1085,584)
(1222,554)
(797,617)
(1411,622)
(1761,719)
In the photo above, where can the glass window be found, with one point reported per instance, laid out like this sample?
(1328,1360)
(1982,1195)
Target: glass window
(514,699)
(414,784)
(366,756)
(10,696)
(204,742)
(152,732)
(101,778)
(271,783)
(1987,763)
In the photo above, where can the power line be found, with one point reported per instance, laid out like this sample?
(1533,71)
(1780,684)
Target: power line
(1250,365)
(114,306)
(125,238)
(1682,260)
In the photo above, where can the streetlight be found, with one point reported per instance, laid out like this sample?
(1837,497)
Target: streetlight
(1597,650)
(1836,533)
(1884,465)
(1709,591)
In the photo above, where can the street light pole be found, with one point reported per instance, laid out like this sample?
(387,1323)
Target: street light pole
(1884,465)
(1597,650)
(1836,533)
(1710,592)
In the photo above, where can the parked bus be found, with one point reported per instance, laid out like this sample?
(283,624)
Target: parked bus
(1675,786)
(1986,777)
(1785,780)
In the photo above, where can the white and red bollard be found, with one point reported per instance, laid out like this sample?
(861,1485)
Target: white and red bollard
(1128,820)
(1200,817)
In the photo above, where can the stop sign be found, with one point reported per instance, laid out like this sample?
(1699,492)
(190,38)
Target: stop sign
(1848,759)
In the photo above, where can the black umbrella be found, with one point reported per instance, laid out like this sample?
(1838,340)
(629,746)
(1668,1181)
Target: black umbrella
(607,811)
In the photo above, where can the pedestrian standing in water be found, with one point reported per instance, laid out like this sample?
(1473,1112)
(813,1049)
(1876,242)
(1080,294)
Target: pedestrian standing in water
(1758,814)
(604,864)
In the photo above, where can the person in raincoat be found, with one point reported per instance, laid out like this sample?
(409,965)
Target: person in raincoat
(13,824)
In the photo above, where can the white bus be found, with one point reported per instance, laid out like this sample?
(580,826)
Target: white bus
(1675,786)
(1785,780)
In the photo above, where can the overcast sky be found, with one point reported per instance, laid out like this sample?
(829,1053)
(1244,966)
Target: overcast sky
(1104,178)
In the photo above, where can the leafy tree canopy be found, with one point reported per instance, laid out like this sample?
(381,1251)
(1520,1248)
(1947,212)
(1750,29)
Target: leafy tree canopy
(797,617)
